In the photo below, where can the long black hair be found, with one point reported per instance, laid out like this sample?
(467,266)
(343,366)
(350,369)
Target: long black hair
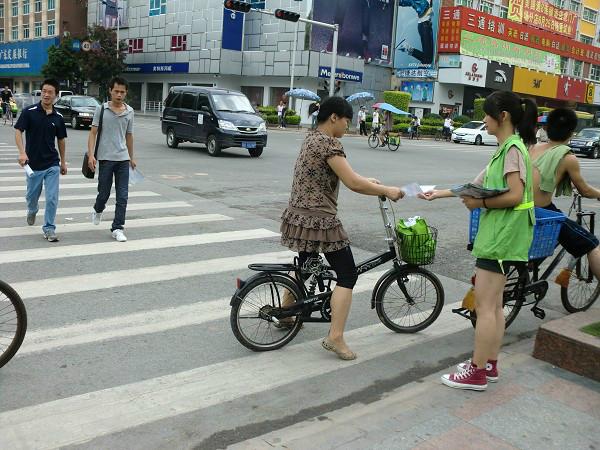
(523,112)
(334,105)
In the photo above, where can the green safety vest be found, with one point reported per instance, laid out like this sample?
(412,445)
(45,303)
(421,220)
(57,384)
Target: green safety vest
(505,234)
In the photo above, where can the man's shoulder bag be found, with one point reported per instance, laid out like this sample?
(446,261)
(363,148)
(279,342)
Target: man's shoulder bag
(85,168)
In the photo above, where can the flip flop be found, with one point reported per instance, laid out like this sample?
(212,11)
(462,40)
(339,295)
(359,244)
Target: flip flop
(346,356)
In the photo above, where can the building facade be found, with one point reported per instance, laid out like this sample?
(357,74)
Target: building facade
(27,29)
(548,51)
(198,42)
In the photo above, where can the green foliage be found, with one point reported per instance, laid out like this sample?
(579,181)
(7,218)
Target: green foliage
(63,63)
(433,116)
(478,113)
(462,119)
(292,120)
(424,130)
(271,119)
(433,121)
(100,66)
(398,99)
(290,112)
(267,110)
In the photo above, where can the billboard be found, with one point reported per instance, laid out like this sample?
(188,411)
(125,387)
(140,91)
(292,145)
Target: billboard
(508,53)
(25,58)
(109,13)
(535,83)
(499,76)
(416,34)
(365,28)
(471,72)
(571,89)
(421,91)
(542,14)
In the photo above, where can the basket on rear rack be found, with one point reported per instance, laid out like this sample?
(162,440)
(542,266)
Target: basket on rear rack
(545,232)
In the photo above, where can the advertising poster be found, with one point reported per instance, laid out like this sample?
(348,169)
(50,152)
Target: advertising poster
(542,14)
(499,76)
(416,34)
(111,10)
(365,28)
(421,91)
(535,83)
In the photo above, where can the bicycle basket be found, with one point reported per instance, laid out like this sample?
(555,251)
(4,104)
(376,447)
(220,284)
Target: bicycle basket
(545,232)
(394,140)
(417,242)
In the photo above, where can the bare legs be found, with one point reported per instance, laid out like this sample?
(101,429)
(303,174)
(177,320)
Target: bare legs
(341,299)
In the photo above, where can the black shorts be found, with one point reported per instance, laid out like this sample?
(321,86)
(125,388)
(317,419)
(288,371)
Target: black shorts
(573,237)
(341,261)
(492,265)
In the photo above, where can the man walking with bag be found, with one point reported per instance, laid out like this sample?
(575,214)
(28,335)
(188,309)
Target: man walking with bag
(115,154)
(42,124)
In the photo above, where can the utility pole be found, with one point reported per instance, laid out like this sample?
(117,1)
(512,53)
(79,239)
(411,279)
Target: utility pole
(238,5)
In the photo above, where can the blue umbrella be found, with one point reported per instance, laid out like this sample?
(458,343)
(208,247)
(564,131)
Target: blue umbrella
(390,108)
(366,96)
(303,94)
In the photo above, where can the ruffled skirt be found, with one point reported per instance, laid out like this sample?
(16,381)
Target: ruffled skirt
(312,231)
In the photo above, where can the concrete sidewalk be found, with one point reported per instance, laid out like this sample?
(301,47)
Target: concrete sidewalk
(533,406)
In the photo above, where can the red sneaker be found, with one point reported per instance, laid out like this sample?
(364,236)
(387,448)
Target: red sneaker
(491,369)
(471,378)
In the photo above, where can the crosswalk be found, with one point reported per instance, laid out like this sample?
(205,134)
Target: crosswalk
(123,336)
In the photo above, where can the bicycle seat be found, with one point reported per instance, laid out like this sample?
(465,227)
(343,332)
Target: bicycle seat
(266,267)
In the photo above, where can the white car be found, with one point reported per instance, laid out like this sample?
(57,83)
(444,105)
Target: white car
(473,132)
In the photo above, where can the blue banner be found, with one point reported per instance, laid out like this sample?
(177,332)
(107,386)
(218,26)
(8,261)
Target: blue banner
(233,29)
(341,74)
(24,58)
(158,68)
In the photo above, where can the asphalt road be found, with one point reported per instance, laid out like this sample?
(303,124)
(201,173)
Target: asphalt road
(129,345)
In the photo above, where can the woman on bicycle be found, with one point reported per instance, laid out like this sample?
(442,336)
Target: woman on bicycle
(310,224)
(505,230)
(555,168)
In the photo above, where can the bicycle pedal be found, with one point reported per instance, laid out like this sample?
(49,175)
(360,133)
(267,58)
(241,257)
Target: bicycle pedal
(538,312)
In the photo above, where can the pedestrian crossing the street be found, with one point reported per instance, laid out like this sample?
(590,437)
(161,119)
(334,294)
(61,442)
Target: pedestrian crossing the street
(127,339)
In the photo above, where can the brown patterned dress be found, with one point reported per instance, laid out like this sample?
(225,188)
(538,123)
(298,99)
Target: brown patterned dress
(310,222)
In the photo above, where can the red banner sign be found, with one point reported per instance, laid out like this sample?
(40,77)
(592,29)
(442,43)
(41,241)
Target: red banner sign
(541,14)
(507,30)
(449,33)
(571,89)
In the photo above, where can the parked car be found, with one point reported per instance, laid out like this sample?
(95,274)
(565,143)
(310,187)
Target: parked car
(586,142)
(474,132)
(77,110)
(218,118)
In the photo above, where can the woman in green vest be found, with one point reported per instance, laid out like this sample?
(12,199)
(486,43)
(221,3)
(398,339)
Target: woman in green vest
(505,229)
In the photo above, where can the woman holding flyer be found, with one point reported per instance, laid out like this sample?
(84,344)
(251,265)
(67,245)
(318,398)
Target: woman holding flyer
(505,229)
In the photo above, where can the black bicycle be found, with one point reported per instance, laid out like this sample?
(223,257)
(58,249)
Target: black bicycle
(391,140)
(526,287)
(414,133)
(13,322)
(407,298)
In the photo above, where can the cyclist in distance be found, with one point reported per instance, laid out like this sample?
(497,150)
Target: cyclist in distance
(310,224)
(555,169)
(507,225)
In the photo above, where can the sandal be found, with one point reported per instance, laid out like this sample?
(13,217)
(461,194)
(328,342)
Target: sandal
(287,324)
(346,356)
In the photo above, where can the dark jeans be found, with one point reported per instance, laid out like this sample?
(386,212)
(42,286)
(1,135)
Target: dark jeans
(363,128)
(425,55)
(120,170)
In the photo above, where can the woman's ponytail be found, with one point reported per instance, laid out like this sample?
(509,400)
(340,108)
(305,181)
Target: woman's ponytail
(526,126)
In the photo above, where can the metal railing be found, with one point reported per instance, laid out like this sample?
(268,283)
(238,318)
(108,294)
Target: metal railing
(152,106)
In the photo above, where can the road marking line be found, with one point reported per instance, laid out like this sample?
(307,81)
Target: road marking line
(108,248)
(88,209)
(132,223)
(81,418)
(147,322)
(68,177)
(62,198)
(118,278)
(62,187)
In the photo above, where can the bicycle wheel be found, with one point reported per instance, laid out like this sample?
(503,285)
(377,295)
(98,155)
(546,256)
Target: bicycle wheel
(13,322)
(373,141)
(513,295)
(580,294)
(402,316)
(393,145)
(438,136)
(256,302)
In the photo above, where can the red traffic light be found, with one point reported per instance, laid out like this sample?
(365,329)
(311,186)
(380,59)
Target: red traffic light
(287,15)
(236,5)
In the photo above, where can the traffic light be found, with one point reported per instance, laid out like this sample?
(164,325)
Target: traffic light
(290,16)
(236,5)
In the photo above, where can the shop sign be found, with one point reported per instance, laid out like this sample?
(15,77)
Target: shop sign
(450,26)
(535,83)
(590,93)
(25,57)
(341,74)
(449,61)
(508,53)
(596,100)
(572,89)
(506,30)
(499,76)
(541,14)
(158,68)
(416,73)
(472,72)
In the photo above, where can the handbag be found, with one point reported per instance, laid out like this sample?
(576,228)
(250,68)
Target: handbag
(85,168)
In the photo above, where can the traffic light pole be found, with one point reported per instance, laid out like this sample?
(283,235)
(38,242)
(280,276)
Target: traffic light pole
(335,27)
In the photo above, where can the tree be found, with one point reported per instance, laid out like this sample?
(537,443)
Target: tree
(399,99)
(478,113)
(63,63)
(100,64)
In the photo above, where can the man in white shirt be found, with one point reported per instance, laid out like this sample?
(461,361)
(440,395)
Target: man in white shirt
(362,121)
(448,126)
